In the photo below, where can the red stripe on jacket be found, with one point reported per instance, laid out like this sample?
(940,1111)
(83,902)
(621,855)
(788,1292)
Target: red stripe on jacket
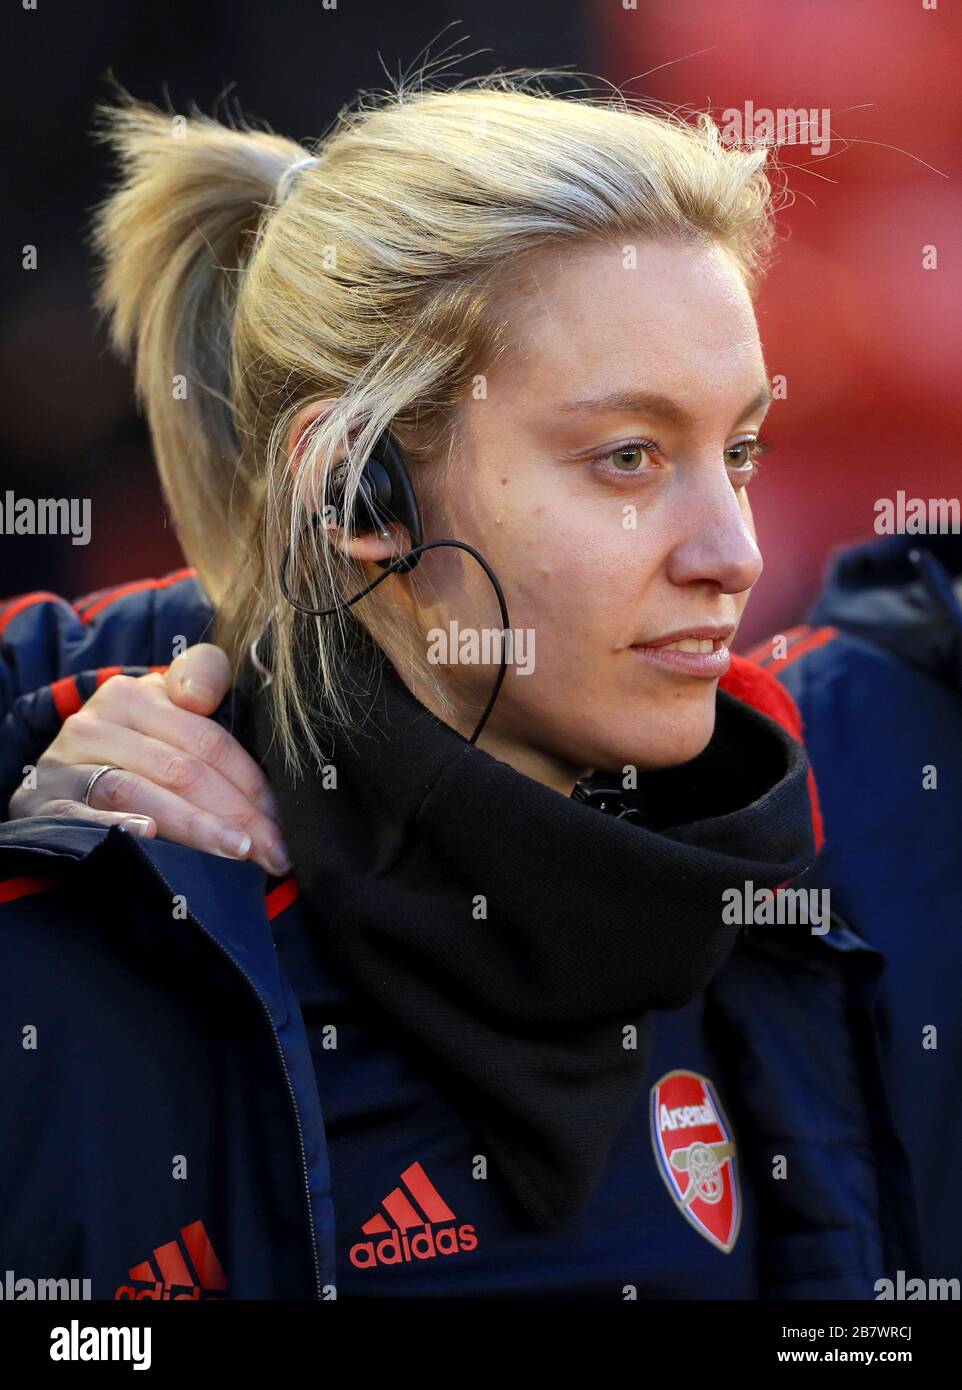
(14,888)
(282,896)
(799,640)
(18,605)
(66,692)
(112,595)
(748,681)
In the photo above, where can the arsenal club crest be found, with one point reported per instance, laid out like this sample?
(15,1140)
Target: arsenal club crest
(695,1150)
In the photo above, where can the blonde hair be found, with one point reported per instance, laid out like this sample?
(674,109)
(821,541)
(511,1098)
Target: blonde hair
(381,280)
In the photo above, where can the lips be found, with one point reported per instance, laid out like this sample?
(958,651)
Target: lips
(689,644)
(682,638)
(699,652)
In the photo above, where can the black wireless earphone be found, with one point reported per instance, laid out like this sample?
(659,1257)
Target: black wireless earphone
(385,494)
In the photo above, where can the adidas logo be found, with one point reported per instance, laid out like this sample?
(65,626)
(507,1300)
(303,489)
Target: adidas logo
(439,1236)
(206,1280)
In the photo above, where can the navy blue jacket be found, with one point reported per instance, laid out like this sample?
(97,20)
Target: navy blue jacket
(169,1139)
(877,675)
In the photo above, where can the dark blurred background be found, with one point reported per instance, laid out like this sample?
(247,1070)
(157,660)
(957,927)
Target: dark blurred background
(866,338)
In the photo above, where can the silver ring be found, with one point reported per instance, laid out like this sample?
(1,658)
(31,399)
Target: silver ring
(93,778)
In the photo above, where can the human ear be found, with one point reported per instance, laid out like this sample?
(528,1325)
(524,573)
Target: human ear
(378,541)
(388,542)
(300,434)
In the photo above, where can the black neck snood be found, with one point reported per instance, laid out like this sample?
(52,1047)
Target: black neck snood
(516,938)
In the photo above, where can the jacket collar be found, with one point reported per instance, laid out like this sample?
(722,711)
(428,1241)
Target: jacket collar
(738,811)
(400,756)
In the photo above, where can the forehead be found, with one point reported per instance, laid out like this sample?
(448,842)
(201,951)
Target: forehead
(671,316)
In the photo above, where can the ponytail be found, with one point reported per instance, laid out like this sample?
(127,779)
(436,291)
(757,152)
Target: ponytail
(174,239)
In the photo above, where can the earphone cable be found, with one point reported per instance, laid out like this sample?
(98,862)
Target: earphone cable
(396,566)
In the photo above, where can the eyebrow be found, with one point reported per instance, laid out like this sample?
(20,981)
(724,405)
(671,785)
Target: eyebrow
(652,403)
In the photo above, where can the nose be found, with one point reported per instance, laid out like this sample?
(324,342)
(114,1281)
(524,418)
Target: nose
(716,541)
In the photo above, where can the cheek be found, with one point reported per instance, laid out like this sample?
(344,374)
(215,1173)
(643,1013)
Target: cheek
(576,576)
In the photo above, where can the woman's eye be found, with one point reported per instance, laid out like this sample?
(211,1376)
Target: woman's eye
(742,457)
(640,456)
(631,457)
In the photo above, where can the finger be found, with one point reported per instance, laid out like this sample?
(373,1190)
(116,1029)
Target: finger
(57,779)
(199,678)
(144,705)
(64,809)
(177,819)
(191,803)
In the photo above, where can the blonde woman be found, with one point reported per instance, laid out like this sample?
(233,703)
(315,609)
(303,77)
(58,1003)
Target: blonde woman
(482,366)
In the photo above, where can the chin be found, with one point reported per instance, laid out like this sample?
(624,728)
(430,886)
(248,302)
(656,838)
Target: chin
(664,743)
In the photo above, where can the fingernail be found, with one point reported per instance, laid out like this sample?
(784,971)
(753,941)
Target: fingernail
(234,843)
(268,804)
(279,859)
(137,825)
(198,690)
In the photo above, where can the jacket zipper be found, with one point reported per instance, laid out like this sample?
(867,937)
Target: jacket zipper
(318,1291)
